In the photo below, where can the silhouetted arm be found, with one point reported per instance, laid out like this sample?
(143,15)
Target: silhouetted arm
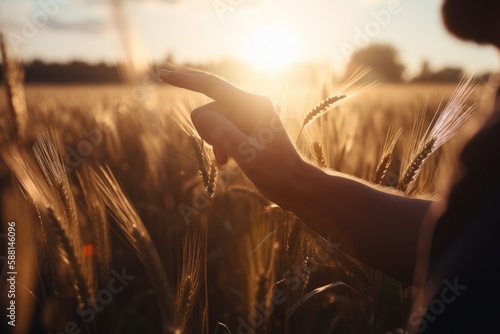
(378,227)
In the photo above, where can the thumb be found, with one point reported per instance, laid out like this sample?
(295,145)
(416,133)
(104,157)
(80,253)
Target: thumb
(217,130)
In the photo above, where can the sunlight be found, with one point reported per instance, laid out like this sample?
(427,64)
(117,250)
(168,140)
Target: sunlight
(271,47)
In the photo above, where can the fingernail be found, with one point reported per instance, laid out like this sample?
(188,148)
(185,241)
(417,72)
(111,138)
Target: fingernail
(164,73)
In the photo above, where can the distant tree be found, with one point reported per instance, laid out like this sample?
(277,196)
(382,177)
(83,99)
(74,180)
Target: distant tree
(426,72)
(445,75)
(73,72)
(382,59)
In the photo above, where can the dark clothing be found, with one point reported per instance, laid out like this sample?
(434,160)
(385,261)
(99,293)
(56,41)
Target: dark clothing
(465,252)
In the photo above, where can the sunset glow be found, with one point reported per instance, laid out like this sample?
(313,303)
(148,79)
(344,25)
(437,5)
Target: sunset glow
(271,47)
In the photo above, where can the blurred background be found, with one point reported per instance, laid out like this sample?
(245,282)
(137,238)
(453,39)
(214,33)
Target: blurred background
(83,40)
(104,174)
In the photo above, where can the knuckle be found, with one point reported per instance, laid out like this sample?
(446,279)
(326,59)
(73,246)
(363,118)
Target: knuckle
(263,102)
(212,80)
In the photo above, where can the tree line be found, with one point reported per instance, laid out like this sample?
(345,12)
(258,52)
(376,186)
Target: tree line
(383,60)
(73,72)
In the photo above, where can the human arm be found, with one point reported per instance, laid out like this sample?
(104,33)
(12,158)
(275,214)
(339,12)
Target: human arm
(378,227)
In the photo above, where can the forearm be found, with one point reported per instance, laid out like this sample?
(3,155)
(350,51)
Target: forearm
(377,227)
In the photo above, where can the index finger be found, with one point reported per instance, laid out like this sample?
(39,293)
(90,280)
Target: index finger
(210,85)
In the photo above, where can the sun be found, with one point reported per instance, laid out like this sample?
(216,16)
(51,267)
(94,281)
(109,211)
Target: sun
(271,47)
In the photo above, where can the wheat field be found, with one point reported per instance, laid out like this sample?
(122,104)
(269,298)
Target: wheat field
(125,224)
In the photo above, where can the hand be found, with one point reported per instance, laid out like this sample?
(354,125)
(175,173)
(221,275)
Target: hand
(246,127)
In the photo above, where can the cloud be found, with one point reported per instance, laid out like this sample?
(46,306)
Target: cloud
(90,26)
(369,3)
(124,1)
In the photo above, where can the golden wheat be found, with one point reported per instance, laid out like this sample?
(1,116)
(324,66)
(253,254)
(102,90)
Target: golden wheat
(344,92)
(99,222)
(132,227)
(70,258)
(189,285)
(294,237)
(319,154)
(387,153)
(14,76)
(449,120)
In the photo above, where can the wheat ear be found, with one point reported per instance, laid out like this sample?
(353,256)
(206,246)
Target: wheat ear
(307,256)
(99,222)
(413,169)
(14,77)
(69,256)
(208,175)
(319,110)
(442,129)
(50,160)
(189,286)
(319,154)
(344,93)
(48,204)
(132,227)
(386,156)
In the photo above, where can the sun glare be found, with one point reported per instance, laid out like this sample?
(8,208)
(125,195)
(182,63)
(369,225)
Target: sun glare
(271,47)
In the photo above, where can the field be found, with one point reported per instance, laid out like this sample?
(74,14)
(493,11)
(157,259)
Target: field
(116,232)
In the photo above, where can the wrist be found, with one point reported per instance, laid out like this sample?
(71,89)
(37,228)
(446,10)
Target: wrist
(301,187)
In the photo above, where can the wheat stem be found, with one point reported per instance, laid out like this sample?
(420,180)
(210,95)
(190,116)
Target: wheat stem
(189,286)
(132,227)
(293,238)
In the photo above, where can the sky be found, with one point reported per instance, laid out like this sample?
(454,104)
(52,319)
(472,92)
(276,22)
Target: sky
(201,30)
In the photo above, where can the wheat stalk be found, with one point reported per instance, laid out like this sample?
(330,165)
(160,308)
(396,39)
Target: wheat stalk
(47,263)
(200,160)
(71,258)
(319,154)
(50,160)
(307,255)
(344,93)
(413,169)
(208,175)
(190,281)
(261,297)
(294,237)
(132,227)
(386,156)
(37,189)
(321,108)
(212,180)
(14,77)
(208,178)
(259,251)
(99,222)
(52,165)
(27,172)
(442,129)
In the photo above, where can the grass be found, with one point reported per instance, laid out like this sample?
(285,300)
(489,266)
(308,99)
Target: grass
(233,259)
